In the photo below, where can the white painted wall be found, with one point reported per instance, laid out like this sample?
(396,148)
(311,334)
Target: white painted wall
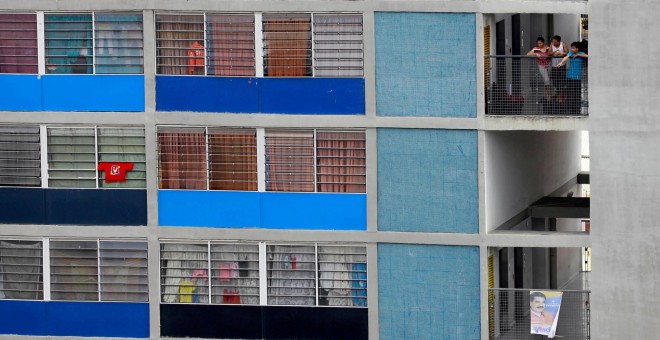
(523,166)
(568,27)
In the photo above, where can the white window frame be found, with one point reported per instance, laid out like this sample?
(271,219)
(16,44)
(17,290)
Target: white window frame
(259,43)
(263,269)
(46,266)
(45,152)
(261,154)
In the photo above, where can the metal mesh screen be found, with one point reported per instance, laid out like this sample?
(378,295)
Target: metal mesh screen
(509,315)
(527,85)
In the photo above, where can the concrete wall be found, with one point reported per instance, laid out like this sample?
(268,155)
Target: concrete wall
(522,166)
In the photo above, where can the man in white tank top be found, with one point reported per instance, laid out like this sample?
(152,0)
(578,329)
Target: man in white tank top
(557,74)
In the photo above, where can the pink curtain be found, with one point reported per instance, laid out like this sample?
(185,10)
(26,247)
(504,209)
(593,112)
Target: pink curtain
(341,160)
(18,43)
(290,160)
(230,42)
(233,159)
(182,159)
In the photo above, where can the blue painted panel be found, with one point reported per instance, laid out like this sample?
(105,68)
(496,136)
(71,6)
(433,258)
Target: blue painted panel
(93,92)
(235,209)
(428,292)
(22,205)
(313,95)
(427,180)
(207,94)
(425,64)
(23,317)
(96,206)
(323,211)
(260,95)
(209,208)
(106,319)
(20,92)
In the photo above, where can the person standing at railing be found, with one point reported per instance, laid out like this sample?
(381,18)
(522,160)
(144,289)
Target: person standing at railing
(542,52)
(574,77)
(558,51)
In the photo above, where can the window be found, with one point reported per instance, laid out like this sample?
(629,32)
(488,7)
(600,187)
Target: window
(338,45)
(295,274)
(294,45)
(94,43)
(287,45)
(21,275)
(292,160)
(18,43)
(20,156)
(210,273)
(90,270)
(317,275)
(75,156)
(99,270)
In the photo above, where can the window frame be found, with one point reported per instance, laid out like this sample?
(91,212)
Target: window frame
(46,264)
(46,156)
(262,161)
(264,270)
(260,44)
(42,40)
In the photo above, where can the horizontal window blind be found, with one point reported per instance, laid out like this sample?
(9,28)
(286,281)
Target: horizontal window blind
(342,275)
(123,268)
(230,45)
(184,273)
(235,274)
(292,275)
(71,157)
(20,156)
(21,270)
(118,42)
(74,270)
(18,43)
(338,45)
(287,43)
(232,159)
(122,144)
(341,161)
(180,44)
(69,43)
(290,160)
(182,158)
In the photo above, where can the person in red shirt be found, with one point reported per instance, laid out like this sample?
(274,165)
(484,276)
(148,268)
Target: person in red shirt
(196,58)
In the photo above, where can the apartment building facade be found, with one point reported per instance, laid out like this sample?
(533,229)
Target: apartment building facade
(312,169)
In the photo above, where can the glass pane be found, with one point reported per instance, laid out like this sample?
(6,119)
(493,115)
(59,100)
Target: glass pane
(179,44)
(184,273)
(74,270)
(233,159)
(68,43)
(119,43)
(124,271)
(21,270)
(18,43)
(290,160)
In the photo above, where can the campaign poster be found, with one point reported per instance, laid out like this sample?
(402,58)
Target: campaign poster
(544,312)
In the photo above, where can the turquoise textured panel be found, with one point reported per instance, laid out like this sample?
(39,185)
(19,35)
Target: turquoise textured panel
(425,64)
(428,292)
(427,180)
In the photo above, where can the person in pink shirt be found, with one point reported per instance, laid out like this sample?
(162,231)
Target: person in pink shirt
(542,53)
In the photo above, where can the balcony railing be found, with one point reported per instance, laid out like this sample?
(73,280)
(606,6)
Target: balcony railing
(509,315)
(527,85)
